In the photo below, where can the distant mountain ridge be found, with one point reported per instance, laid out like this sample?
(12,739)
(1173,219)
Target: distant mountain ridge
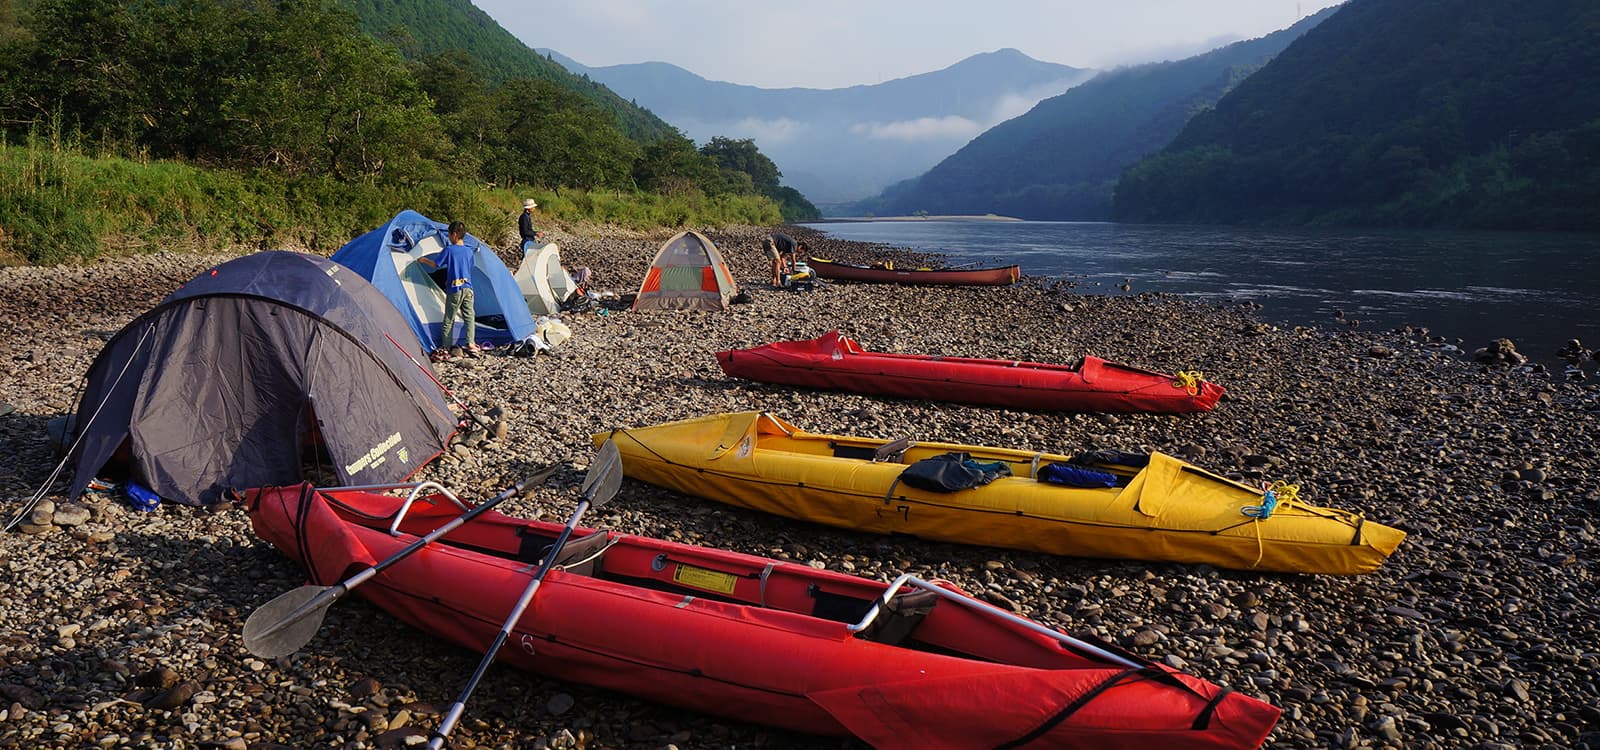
(1061,159)
(1438,113)
(842,144)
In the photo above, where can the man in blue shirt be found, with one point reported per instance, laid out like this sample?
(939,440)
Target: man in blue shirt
(456,260)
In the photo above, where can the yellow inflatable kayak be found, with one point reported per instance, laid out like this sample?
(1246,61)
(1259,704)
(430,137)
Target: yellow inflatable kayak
(1167,510)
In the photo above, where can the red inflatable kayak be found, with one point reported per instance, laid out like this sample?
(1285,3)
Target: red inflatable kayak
(1000,276)
(904,665)
(1094,385)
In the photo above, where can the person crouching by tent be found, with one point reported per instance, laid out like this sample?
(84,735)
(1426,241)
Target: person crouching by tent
(456,260)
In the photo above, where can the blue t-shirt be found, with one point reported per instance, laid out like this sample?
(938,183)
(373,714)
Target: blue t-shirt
(457,262)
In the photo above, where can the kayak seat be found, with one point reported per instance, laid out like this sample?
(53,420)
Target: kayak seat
(894,623)
(859,452)
(890,451)
(904,612)
(580,555)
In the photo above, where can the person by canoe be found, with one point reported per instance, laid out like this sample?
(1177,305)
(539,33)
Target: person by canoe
(775,259)
(786,249)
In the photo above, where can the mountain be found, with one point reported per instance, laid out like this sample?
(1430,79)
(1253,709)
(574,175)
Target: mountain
(1449,113)
(421,28)
(837,145)
(1062,158)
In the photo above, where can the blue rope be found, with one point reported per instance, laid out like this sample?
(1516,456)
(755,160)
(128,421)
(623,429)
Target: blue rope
(1269,503)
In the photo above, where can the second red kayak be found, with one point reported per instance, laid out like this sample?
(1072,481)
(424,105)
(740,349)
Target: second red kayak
(836,362)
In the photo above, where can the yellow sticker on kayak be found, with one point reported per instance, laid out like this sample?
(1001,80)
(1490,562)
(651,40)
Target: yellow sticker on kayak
(700,578)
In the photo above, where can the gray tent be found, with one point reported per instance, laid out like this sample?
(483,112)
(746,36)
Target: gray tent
(228,381)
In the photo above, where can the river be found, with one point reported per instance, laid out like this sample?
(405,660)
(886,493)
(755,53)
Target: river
(1537,289)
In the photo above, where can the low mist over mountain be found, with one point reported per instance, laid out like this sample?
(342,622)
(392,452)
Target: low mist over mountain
(1061,160)
(838,145)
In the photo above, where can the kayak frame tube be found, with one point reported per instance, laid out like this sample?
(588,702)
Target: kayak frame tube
(416,489)
(907,579)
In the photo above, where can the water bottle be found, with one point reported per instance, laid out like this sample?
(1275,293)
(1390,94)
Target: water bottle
(141,497)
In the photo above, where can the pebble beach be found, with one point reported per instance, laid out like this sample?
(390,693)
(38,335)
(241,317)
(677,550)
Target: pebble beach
(121,629)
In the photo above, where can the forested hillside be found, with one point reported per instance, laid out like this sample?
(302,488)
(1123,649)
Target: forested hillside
(295,100)
(424,28)
(1061,160)
(1464,113)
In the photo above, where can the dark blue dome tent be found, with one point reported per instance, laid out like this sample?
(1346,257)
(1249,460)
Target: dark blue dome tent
(387,257)
(229,380)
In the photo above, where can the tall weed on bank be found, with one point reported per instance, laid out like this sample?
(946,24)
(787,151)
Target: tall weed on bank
(59,204)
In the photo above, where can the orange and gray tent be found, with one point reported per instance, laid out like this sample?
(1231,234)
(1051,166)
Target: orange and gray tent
(687,274)
(249,366)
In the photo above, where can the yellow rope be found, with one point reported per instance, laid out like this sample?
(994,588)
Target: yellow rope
(1189,380)
(1285,494)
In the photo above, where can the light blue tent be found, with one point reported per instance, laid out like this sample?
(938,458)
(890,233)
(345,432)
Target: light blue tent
(387,257)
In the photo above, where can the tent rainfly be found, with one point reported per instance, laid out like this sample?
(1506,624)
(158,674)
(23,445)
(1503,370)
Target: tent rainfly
(229,381)
(687,274)
(544,283)
(387,257)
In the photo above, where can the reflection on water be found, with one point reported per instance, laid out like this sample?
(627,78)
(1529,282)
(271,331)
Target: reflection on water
(1537,289)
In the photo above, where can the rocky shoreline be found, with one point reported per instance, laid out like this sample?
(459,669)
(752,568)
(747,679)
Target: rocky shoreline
(121,629)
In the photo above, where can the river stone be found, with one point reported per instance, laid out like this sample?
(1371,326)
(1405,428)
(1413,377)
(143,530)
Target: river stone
(159,678)
(173,697)
(26,696)
(70,515)
(43,513)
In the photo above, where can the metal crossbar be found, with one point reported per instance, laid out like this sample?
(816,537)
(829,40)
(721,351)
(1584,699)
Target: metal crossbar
(417,488)
(986,608)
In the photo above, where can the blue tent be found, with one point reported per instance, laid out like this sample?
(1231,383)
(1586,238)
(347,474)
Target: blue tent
(387,257)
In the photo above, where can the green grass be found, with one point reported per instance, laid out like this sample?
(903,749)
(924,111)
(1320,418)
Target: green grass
(60,204)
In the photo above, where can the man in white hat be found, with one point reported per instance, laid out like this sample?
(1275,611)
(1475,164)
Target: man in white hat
(525,223)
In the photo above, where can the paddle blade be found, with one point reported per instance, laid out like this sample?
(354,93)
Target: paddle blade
(286,624)
(604,477)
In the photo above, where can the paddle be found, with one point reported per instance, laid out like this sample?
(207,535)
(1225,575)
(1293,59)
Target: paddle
(599,486)
(285,624)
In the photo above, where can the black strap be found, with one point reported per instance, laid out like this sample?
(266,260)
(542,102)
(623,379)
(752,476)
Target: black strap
(1204,719)
(1073,707)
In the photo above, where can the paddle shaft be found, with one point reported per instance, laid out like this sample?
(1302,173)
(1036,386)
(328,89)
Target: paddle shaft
(460,706)
(328,595)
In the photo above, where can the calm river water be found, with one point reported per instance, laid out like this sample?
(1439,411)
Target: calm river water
(1537,289)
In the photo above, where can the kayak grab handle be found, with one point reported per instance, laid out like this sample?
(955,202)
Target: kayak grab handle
(908,579)
(417,488)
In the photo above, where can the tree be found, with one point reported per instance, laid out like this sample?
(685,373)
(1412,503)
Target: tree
(741,155)
(672,165)
(324,98)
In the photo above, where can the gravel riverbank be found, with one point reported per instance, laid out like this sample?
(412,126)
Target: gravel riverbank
(1481,631)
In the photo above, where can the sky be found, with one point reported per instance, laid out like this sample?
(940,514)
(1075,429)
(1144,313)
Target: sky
(838,43)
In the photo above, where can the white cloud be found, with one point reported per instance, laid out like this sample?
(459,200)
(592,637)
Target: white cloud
(765,132)
(949,127)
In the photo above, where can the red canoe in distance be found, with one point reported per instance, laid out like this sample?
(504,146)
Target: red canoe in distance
(754,639)
(836,362)
(926,276)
